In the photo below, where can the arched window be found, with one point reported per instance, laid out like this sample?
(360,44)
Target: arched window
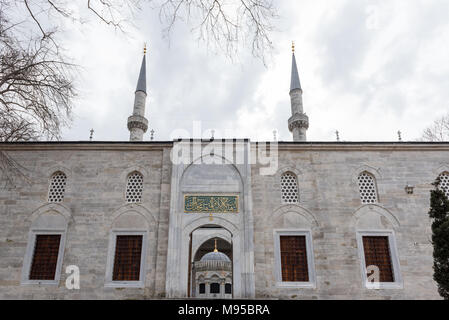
(134,188)
(57,187)
(444,183)
(367,188)
(289,188)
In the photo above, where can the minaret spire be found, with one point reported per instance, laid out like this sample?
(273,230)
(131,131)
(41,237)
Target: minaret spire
(294,83)
(299,122)
(137,123)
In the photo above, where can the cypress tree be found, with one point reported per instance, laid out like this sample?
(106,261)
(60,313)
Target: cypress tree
(439,212)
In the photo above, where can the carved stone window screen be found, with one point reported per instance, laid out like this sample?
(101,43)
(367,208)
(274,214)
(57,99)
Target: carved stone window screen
(289,188)
(367,188)
(134,188)
(57,187)
(444,183)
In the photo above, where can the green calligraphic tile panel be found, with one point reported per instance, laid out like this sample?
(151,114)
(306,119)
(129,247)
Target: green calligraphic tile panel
(211,204)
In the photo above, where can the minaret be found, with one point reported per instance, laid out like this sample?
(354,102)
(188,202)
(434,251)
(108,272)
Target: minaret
(299,122)
(137,123)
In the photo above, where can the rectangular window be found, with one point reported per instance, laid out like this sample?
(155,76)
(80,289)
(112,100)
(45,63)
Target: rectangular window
(377,253)
(228,288)
(127,259)
(45,257)
(214,288)
(202,288)
(379,259)
(294,259)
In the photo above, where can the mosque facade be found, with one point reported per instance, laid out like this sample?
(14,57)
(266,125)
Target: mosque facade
(219,218)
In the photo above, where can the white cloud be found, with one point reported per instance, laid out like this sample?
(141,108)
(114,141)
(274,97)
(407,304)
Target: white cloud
(368,69)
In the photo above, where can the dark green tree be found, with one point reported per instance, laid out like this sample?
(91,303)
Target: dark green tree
(439,212)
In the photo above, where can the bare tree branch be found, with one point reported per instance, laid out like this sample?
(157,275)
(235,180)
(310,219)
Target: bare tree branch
(439,131)
(36,80)
(225,24)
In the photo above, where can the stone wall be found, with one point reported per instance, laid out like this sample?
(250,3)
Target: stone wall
(331,208)
(95,198)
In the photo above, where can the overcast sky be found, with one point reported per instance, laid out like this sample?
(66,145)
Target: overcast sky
(367,68)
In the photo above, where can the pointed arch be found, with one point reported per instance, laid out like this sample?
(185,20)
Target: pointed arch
(52,170)
(372,210)
(199,161)
(375,172)
(51,208)
(280,212)
(135,168)
(195,224)
(134,208)
(208,237)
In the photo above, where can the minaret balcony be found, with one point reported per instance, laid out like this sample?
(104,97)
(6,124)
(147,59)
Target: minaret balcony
(139,122)
(298,120)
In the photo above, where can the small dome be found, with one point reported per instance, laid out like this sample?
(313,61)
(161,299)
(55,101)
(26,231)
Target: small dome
(215,256)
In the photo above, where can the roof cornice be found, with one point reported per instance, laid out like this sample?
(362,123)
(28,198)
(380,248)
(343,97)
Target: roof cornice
(85,145)
(282,146)
(363,146)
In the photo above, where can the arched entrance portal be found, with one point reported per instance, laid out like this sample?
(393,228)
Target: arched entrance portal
(211,263)
(210,191)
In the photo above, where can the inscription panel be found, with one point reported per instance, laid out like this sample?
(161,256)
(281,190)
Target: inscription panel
(211,204)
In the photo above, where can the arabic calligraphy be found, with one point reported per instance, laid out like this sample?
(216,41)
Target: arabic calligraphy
(211,204)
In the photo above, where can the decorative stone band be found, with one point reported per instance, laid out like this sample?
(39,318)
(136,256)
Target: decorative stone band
(213,266)
(299,120)
(138,122)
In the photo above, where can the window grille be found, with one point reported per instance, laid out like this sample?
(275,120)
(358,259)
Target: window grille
(367,188)
(57,187)
(214,288)
(45,257)
(377,253)
(134,188)
(294,259)
(128,253)
(289,188)
(444,183)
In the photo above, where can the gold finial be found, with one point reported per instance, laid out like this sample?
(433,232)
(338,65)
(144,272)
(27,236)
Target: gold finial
(215,250)
(145,48)
(293,46)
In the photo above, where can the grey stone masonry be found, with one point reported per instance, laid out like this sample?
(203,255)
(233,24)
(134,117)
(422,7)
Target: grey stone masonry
(330,212)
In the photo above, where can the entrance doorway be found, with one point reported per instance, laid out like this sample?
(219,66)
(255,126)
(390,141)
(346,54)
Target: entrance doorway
(211,263)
